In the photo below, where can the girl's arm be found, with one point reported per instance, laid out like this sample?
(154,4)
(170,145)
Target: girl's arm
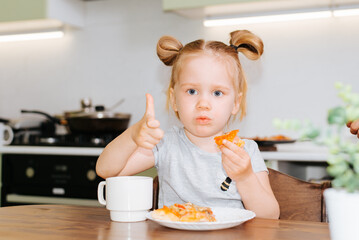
(257,195)
(254,188)
(131,152)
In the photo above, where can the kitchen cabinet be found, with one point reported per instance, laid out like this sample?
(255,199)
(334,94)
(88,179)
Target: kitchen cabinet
(70,151)
(181,4)
(302,159)
(30,15)
(212,8)
(50,175)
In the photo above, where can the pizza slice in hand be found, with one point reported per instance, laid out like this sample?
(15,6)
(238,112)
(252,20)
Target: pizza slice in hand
(230,136)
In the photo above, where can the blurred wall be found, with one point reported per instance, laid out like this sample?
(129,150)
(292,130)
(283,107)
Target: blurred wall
(114,57)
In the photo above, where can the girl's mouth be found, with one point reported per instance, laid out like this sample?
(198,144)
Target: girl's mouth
(203,120)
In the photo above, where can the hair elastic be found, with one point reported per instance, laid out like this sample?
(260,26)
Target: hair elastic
(235,47)
(245,45)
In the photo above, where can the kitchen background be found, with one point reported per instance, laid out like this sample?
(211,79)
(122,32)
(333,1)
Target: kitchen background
(114,56)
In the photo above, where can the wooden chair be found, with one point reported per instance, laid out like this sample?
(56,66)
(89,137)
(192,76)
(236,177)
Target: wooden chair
(298,200)
(155,193)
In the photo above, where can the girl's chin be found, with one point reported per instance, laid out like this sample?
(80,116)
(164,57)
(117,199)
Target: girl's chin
(203,131)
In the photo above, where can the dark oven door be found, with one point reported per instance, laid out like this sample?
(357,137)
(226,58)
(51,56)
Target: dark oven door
(47,179)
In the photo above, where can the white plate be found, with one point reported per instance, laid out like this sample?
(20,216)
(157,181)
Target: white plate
(226,218)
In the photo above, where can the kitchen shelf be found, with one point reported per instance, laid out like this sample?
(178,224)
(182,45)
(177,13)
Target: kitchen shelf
(300,152)
(295,156)
(73,151)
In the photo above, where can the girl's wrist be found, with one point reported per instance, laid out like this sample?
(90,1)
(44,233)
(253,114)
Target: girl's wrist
(133,131)
(245,178)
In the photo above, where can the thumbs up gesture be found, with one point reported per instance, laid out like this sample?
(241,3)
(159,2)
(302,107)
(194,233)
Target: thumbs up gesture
(147,132)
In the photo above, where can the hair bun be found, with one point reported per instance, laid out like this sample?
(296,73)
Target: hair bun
(247,43)
(168,49)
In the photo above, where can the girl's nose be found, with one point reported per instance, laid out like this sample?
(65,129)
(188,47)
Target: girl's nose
(203,103)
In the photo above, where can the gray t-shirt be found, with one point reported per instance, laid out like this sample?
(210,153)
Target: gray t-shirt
(187,173)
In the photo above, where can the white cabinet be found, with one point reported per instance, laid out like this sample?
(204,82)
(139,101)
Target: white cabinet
(20,15)
(210,8)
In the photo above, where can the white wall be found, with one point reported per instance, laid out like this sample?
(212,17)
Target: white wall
(296,75)
(114,57)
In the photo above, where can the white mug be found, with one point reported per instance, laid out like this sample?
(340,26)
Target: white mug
(6,134)
(128,198)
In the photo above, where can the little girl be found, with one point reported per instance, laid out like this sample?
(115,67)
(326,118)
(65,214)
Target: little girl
(207,88)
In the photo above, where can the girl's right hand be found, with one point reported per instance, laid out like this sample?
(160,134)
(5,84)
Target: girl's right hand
(147,132)
(354,127)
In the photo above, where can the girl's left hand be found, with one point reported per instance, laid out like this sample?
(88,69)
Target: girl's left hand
(236,161)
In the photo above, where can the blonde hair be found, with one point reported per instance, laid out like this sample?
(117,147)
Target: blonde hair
(172,53)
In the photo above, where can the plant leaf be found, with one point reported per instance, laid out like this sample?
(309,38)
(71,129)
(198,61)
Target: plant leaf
(338,169)
(337,116)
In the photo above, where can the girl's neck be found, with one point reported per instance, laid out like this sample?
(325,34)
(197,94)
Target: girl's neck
(205,143)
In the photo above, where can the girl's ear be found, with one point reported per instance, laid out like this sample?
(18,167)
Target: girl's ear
(237,104)
(173,100)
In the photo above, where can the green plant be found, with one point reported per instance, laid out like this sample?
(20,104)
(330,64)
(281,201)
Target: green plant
(343,159)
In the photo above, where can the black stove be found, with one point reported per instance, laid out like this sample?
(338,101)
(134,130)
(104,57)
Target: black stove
(51,178)
(34,138)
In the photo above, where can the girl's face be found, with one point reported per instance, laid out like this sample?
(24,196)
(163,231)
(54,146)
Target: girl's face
(204,96)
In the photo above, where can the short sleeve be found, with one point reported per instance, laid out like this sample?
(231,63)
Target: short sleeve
(157,153)
(257,160)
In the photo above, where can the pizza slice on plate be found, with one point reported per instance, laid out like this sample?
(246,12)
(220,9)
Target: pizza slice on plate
(184,213)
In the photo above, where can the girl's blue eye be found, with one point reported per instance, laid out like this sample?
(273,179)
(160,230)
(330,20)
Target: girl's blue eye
(191,91)
(217,93)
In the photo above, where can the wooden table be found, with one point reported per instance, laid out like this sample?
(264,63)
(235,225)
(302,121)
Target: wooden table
(63,222)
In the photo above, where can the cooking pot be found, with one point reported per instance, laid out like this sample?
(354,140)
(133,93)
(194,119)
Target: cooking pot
(86,107)
(98,121)
(46,126)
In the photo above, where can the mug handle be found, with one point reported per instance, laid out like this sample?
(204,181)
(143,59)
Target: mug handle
(100,198)
(10,133)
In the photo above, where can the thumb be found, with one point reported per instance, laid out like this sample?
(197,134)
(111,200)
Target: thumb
(150,108)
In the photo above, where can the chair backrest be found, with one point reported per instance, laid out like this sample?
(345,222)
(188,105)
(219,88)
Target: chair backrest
(155,193)
(298,200)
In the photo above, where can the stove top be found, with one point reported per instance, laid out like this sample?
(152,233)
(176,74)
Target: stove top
(69,140)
